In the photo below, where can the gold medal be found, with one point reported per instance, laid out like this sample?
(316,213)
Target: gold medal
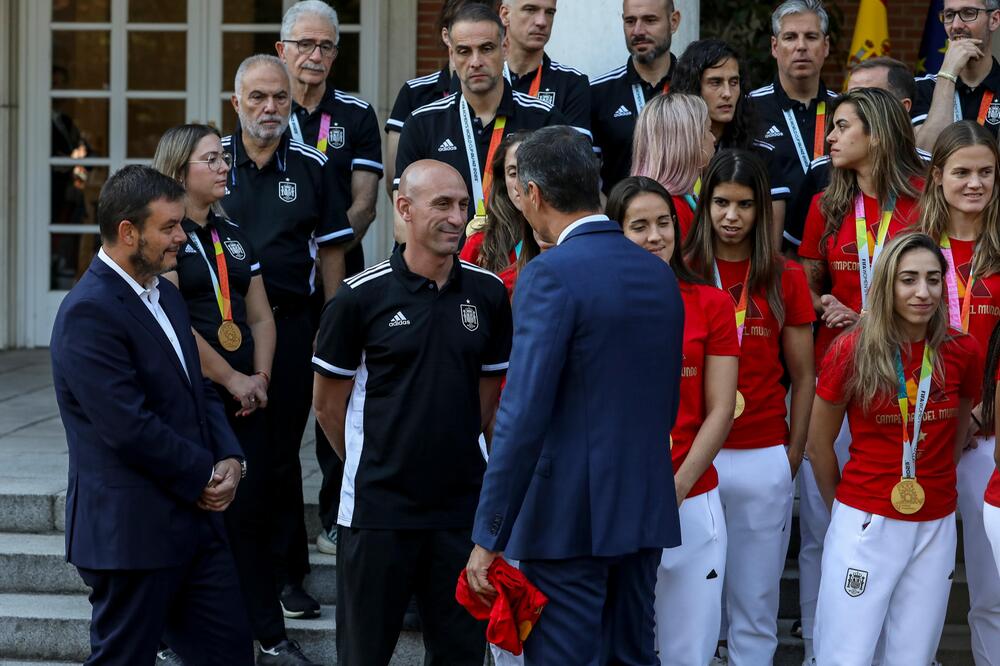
(908,496)
(741,404)
(671,442)
(229,335)
(478,223)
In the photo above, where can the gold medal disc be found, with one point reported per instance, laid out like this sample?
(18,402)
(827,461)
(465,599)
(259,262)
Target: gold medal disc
(671,442)
(478,223)
(741,404)
(908,496)
(229,335)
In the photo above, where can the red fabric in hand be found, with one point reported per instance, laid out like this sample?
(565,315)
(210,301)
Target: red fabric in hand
(514,611)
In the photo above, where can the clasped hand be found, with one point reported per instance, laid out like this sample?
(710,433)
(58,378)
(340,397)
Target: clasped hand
(221,490)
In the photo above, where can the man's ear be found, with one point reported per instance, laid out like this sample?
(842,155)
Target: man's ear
(128,234)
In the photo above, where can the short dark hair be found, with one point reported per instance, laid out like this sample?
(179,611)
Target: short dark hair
(451,7)
(901,83)
(561,162)
(474,12)
(127,194)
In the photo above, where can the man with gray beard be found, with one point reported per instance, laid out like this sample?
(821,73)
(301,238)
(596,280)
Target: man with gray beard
(619,96)
(286,201)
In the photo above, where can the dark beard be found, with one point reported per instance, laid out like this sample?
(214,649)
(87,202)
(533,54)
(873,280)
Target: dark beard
(143,267)
(649,57)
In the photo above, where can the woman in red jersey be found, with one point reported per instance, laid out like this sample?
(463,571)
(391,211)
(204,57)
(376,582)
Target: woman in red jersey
(875,177)
(672,144)
(907,383)
(991,499)
(960,209)
(733,245)
(689,576)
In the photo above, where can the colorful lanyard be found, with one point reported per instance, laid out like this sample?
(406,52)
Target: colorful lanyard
(640,97)
(800,144)
(741,306)
(692,197)
(220,284)
(324,130)
(958,315)
(482,180)
(865,260)
(984,107)
(536,83)
(923,392)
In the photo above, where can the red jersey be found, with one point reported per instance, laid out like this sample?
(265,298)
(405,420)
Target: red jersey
(685,216)
(763,420)
(471,253)
(875,465)
(840,253)
(709,330)
(984,308)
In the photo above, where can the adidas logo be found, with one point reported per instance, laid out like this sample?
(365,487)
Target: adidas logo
(189,250)
(773,133)
(622,112)
(445,147)
(399,319)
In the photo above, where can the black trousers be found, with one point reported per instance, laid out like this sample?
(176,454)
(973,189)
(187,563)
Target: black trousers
(249,523)
(196,608)
(378,571)
(289,402)
(333,475)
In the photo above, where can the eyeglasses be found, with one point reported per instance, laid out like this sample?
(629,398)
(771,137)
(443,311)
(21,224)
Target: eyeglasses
(967,14)
(215,162)
(307,46)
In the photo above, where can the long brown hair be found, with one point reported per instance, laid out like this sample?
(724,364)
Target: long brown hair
(505,225)
(934,209)
(892,147)
(766,265)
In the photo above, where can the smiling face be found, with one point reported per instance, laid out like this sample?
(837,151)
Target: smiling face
(155,246)
(649,224)
(733,213)
(967,179)
(917,288)
(434,204)
(800,48)
(720,88)
(982,27)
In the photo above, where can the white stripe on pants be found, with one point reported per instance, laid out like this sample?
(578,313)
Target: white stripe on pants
(900,574)
(755,487)
(689,580)
(813,521)
(991,521)
(974,470)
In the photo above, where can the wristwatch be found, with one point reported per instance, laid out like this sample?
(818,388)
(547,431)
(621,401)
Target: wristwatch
(243,469)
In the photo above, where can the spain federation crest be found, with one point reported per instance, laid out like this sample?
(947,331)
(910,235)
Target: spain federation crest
(287,191)
(548,96)
(470,317)
(993,113)
(337,137)
(236,249)
(856,582)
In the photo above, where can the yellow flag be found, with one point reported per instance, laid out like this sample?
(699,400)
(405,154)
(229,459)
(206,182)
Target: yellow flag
(871,33)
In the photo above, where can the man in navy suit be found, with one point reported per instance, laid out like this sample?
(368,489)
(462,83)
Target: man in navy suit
(152,460)
(579,484)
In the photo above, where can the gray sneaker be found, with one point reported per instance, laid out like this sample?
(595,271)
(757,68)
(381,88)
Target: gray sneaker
(326,542)
(168,658)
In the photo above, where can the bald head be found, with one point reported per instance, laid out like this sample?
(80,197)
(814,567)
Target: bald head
(429,175)
(433,201)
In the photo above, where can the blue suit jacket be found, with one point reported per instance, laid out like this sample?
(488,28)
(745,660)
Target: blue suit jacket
(142,438)
(580,464)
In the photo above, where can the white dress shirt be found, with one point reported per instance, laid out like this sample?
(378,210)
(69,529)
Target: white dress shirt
(583,220)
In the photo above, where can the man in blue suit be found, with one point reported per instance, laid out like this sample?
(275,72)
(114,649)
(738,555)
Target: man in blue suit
(579,485)
(152,460)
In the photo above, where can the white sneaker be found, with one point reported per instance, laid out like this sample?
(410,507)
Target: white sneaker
(326,543)
(719,661)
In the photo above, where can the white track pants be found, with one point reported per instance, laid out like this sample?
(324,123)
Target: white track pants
(881,571)
(755,486)
(974,470)
(991,521)
(689,585)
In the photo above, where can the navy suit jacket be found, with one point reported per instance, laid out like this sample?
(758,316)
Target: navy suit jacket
(142,438)
(580,464)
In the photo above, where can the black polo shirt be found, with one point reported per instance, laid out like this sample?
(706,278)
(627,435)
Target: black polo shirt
(969,99)
(613,115)
(417,92)
(196,286)
(434,131)
(354,143)
(416,354)
(785,168)
(564,88)
(283,209)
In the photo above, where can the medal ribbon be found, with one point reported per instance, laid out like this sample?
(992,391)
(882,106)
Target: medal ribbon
(984,107)
(220,284)
(692,197)
(741,307)
(324,130)
(640,97)
(865,260)
(536,83)
(482,180)
(923,392)
(958,316)
(799,142)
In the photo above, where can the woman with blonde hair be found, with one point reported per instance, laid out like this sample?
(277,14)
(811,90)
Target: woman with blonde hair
(907,383)
(672,144)
(732,245)
(960,210)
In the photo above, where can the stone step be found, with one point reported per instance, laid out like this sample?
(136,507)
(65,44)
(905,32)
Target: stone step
(56,627)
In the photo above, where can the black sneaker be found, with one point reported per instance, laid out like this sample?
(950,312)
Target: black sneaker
(168,658)
(285,653)
(297,604)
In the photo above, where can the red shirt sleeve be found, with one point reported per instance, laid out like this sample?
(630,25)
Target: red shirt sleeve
(813,231)
(470,251)
(721,317)
(798,301)
(832,381)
